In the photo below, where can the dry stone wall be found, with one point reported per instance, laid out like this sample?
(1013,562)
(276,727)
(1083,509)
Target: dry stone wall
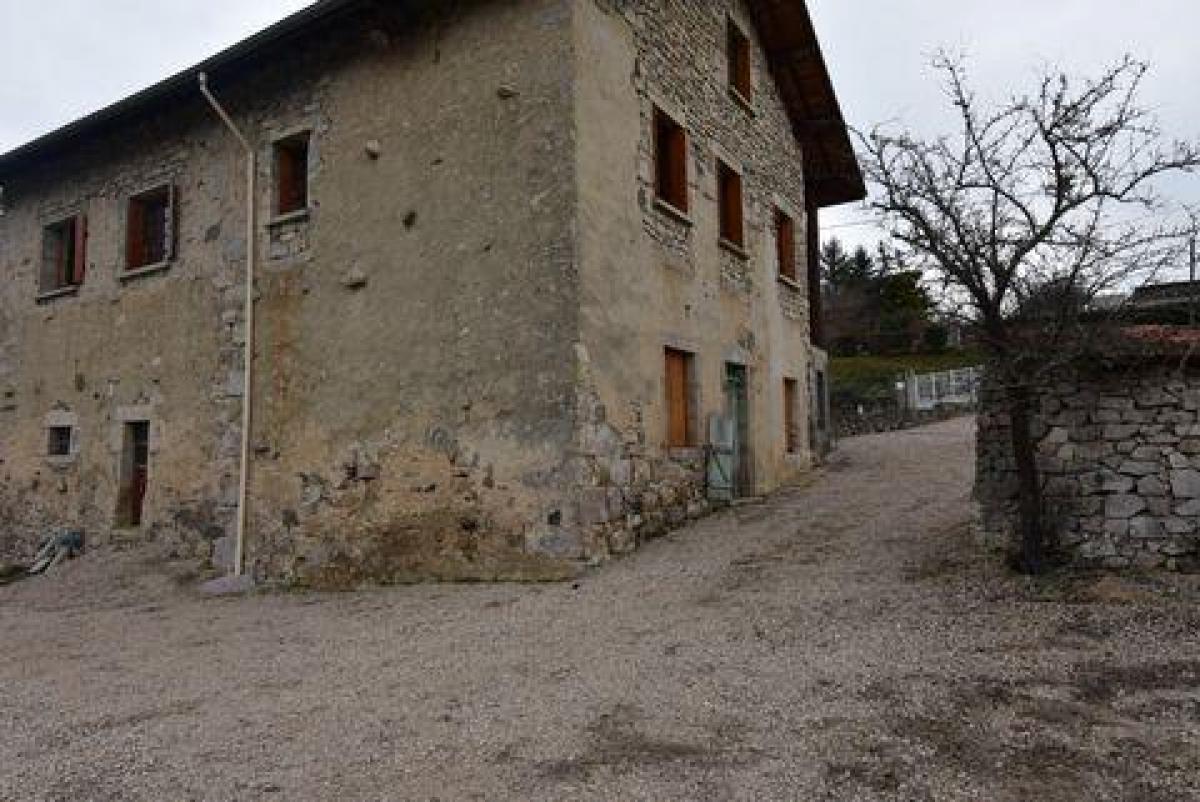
(1119,457)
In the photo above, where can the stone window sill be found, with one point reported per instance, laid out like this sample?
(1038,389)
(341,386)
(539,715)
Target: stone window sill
(791,282)
(685,453)
(735,249)
(61,292)
(669,210)
(62,461)
(298,216)
(145,270)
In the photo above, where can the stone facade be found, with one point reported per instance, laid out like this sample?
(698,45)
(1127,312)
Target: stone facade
(458,352)
(1119,456)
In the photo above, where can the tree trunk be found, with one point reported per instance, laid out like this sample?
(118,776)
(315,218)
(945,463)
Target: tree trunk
(1033,556)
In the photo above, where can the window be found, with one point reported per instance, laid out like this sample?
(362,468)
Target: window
(150,228)
(64,254)
(291,174)
(134,474)
(729,190)
(738,53)
(680,430)
(785,244)
(59,441)
(670,161)
(791,431)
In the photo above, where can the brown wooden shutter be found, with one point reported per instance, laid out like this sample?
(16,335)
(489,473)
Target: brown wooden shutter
(286,180)
(79,232)
(677,399)
(730,191)
(135,235)
(678,145)
(670,161)
(785,240)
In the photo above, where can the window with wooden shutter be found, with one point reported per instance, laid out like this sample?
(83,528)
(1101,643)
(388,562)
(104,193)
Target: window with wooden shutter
(741,79)
(678,379)
(791,429)
(785,244)
(730,211)
(291,174)
(150,228)
(670,161)
(64,255)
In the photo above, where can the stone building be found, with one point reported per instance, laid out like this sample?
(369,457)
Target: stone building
(533,282)
(1118,451)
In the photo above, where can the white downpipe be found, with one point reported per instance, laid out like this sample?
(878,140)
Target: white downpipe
(239,554)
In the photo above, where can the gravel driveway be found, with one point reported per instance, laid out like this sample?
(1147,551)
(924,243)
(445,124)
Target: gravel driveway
(841,641)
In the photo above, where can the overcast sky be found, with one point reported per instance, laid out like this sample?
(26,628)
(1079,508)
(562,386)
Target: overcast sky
(60,59)
(879,53)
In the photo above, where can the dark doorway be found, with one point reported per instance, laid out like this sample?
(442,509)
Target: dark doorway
(737,400)
(135,473)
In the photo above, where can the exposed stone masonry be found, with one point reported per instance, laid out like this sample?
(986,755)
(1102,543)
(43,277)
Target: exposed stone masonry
(1120,463)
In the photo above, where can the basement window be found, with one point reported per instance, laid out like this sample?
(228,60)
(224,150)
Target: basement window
(785,244)
(58,441)
(791,428)
(150,229)
(291,175)
(741,83)
(730,212)
(64,255)
(680,428)
(670,162)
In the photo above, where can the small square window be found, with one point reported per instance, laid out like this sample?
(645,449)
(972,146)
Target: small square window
(670,161)
(64,254)
(59,441)
(150,228)
(738,52)
(729,189)
(785,244)
(291,174)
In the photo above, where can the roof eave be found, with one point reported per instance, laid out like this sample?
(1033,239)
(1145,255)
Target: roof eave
(179,84)
(832,171)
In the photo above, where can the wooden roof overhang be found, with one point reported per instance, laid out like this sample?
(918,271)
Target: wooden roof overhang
(831,168)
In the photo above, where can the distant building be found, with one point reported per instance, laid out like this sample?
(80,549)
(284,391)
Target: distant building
(518,261)
(1173,302)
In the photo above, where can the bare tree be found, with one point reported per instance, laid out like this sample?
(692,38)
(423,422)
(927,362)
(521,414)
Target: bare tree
(1030,208)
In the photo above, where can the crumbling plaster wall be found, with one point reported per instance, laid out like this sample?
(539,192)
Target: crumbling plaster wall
(650,280)
(155,347)
(1119,457)
(417,384)
(415,367)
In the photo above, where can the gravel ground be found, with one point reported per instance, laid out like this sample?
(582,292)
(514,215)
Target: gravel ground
(842,641)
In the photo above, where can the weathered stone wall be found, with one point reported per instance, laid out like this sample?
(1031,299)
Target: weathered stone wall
(414,384)
(459,349)
(1119,457)
(652,279)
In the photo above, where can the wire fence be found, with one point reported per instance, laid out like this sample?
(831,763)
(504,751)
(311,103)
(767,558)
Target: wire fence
(926,391)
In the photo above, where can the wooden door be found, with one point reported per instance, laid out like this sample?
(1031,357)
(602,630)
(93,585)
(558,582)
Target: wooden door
(678,414)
